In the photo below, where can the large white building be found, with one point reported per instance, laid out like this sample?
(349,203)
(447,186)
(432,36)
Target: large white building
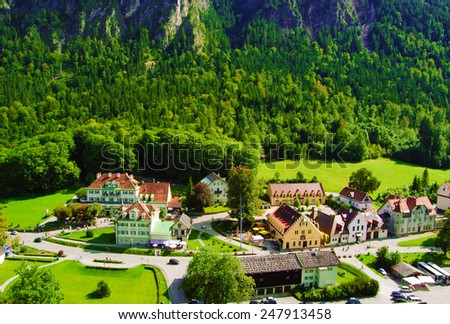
(408,215)
(114,190)
(218,187)
(443,197)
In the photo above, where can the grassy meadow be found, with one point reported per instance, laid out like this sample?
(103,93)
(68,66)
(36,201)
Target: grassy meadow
(127,286)
(334,176)
(27,211)
(103,235)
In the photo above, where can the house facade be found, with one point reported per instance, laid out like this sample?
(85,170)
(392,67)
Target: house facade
(218,187)
(408,215)
(133,225)
(287,193)
(356,198)
(182,228)
(140,225)
(443,197)
(292,229)
(114,190)
(279,273)
(350,226)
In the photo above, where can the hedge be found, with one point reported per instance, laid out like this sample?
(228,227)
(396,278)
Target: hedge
(360,287)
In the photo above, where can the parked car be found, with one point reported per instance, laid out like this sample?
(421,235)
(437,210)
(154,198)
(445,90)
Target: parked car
(254,302)
(38,240)
(414,298)
(406,289)
(269,300)
(14,233)
(400,299)
(397,294)
(193,301)
(353,300)
(382,271)
(174,261)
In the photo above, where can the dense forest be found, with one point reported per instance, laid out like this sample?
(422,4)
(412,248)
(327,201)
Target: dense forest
(228,88)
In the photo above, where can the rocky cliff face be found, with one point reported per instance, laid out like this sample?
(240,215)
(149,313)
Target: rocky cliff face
(163,18)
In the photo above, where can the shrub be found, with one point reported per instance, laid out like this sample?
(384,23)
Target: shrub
(90,233)
(102,290)
(60,253)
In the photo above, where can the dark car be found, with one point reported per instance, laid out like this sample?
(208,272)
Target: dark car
(269,300)
(174,261)
(38,240)
(397,294)
(353,300)
(400,299)
(193,301)
(254,302)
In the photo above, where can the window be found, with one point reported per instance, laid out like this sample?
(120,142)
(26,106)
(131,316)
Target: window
(315,242)
(293,243)
(309,231)
(296,232)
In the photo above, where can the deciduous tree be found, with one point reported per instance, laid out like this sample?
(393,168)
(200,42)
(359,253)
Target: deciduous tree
(34,286)
(212,277)
(363,179)
(443,237)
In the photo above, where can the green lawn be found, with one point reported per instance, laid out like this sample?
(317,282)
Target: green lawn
(133,286)
(28,211)
(193,242)
(347,273)
(101,235)
(424,241)
(335,176)
(215,244)
(7,270)
(217,208)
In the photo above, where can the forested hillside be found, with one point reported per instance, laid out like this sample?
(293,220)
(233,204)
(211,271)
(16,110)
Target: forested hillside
(87,85)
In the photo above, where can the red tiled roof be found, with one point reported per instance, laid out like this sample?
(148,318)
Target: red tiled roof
(354,194)
(144,211)
(294,188)
(286,215)
(159,190)
(174,203)
(123,181)
(399,204)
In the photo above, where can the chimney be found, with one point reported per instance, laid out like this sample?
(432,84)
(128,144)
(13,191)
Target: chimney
(109,174)
(131,176)
(118,175)
(99,174)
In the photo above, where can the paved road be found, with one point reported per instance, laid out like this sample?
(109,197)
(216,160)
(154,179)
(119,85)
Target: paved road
(174,274)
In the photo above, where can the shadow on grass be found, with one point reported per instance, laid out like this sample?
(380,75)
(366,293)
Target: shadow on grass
(93,295)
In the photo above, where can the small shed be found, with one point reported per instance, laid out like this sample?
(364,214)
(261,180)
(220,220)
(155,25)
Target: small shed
(405,270)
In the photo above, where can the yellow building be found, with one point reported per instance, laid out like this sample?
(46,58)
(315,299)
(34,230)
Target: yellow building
(292,229)
(287,193)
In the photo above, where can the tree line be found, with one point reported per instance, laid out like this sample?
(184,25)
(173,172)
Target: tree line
(69,109)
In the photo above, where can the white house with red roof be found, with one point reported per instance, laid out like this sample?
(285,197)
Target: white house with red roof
(287,193)
(408,215)
(443,197)
(356,198)
(114,190)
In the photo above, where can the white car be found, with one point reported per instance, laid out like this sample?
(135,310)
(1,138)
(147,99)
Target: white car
(406,289)
(413,298)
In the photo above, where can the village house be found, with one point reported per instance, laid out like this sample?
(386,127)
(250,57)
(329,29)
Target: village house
(408,215)
(355,198)
(140,225)
(350,226)
(279,273)
(114,190)
(443,197)
(287,193)
(292,229)
(218,187)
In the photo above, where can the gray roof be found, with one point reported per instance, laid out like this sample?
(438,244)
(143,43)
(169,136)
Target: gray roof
(270,263)
(317,259)
(185,220)
(406,270)
(289,261)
